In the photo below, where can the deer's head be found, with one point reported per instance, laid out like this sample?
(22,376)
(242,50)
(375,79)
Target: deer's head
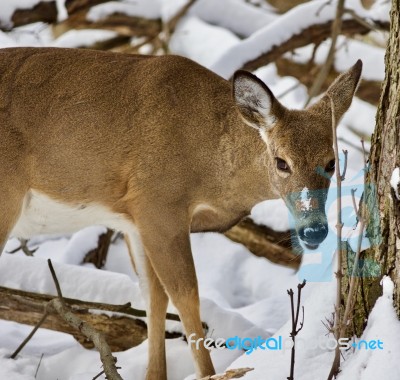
(299,146)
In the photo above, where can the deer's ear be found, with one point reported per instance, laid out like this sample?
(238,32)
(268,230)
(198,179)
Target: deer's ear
(342,90)
(255,101)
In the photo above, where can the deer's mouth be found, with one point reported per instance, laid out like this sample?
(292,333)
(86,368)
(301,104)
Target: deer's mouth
(311,246)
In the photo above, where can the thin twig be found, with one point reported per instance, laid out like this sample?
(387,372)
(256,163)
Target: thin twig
(353,192)
(98,375)
(38,366)
(339,226)
(336,29)
(57,284)
(343,176)
(24,248)
(31,334)
(295,319)
(362,21)
(289,90)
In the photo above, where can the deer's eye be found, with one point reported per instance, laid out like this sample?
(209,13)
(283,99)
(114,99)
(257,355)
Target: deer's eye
(282,165)
(331,166)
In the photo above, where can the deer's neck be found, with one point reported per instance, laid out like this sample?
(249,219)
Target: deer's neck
(248,169)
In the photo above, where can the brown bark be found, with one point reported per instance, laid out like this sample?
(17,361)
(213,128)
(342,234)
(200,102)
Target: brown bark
(368,91)
(383,258)
(43,11)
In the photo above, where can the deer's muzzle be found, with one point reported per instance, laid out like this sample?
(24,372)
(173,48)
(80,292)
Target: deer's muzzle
(313,235)
(308,210)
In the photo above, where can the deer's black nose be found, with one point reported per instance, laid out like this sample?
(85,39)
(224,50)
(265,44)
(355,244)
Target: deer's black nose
(314,234)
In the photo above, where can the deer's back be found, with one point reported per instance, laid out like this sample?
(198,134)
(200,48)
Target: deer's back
(106,117)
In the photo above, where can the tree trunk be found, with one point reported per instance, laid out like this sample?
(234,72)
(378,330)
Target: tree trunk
(380,201)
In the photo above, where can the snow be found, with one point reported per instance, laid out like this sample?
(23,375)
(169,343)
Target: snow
(202,42)
(170,8)
(21,369)
(62,13)
(226,13)
(384,325)
(241,295)
(349,51)
(134,8)
(395,182)
(271,213)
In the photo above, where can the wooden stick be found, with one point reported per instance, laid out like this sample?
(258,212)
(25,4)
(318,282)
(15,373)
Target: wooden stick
(339,226)
(95,336)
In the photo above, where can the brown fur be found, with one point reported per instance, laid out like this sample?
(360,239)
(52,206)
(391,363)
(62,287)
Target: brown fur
(153,139)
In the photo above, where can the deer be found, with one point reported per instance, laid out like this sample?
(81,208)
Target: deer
(157,148)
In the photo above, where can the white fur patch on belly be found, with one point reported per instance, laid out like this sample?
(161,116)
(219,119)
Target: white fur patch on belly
(43,215)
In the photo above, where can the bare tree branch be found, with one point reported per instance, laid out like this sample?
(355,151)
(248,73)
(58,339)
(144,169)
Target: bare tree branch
(295,320)
(98,255)
(96,337)
(265,242)
(313,34)
(322,75)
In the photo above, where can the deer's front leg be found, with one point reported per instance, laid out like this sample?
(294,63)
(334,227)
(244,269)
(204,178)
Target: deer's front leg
(167,245)
(157,308)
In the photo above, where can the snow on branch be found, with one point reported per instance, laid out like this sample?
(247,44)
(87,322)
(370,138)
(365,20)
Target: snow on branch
(309,22)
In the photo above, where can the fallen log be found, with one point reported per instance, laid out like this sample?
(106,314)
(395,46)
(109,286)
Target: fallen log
(121,331)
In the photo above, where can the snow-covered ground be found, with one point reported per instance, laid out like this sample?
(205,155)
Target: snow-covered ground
(241,295)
